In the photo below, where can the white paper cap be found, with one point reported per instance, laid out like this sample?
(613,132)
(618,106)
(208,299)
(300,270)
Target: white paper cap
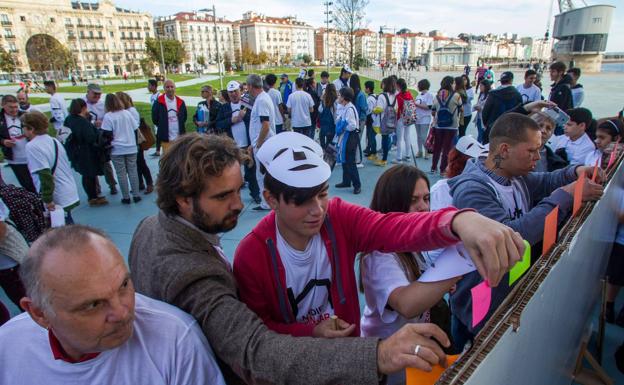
(469,146)
(294,159)
(233,85)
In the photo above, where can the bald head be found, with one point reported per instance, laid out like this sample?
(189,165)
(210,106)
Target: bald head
(22,97)
(169,87)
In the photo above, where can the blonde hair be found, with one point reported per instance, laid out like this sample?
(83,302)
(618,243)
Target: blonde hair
(125,99)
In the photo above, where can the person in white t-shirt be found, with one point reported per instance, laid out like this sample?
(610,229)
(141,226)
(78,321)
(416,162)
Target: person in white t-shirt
(300,104)
(343,79)
(58,109)
(49,166)
(85,323)
(394,297)
(424,102)
(13,142)
(261,127)
(276,96)
(575,141)
(24,102)
(121,126)
(529,91)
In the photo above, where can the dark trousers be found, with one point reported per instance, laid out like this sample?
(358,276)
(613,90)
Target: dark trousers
(12,284)
(462,127)
(89,183)
(252,182)
(325,139)
(385,146)
(350,174)
(371,137)
(157,144)
(145,175)
(109,174)
(460,333)
(279,128)
(307,131)
(23,176)
(442,144)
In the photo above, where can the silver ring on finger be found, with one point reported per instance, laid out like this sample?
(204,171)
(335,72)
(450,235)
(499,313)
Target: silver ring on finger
(416,350)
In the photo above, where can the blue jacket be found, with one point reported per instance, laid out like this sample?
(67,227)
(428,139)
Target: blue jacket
(362,105)
(474,189)
(224,120)
(286,89)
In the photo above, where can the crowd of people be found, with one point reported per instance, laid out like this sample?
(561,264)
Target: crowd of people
(181,313)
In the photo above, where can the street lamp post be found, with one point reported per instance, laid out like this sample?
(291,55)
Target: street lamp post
(328,13)
(214,19)
(162,55)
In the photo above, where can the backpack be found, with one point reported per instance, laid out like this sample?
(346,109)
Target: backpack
(409,112)
(444,116)
(326,121)
(25,210)
(389,118)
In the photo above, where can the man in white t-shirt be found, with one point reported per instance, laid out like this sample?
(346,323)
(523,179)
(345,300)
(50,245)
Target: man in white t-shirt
(276,96)
(300,104)
(575,142)
(95,105)
(424,103)
(529,91)
(13,141)
(85,321)
(261,127)
(169,114)
(58,109)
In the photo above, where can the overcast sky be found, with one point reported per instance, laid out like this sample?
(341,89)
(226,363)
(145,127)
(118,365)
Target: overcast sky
(524,17)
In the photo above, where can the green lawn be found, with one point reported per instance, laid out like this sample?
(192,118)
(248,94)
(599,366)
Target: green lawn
(194,89)
(38,100)
(106,88)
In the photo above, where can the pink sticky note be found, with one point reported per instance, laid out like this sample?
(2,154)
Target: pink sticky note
(481,299)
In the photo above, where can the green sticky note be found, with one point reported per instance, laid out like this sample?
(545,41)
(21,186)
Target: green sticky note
(522,266)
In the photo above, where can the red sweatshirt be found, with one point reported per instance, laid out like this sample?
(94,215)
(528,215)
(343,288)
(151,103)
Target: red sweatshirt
(401,98)
(348,230)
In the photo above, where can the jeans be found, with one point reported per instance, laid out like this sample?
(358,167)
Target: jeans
(422,130)
(371,137)
(480,130)
(260,180)
(89,183)
(350,174)
(385,146)
(462,127)
(23,176)
(126,168)
(403,140)
(442,144)
(279,128)
(307,131)
(145,175)
(250,178)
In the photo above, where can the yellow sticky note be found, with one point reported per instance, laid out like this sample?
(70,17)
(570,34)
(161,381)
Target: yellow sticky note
(522,265)
(418,377)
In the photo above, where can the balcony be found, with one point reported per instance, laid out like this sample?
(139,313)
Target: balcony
(10,37)
(5,22)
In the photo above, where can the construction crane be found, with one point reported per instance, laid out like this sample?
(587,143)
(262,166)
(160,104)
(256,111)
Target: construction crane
(568,5)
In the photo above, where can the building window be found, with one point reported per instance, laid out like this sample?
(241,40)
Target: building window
(22,18)
(4,18)
(111,34)
(52,20)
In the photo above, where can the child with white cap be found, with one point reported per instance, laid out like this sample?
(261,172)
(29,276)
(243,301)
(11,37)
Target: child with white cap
(295,268)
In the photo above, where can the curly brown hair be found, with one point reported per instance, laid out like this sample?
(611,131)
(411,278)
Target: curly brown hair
(187,164)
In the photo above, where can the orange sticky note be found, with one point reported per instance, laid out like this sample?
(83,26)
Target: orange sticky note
(595,170)
(415,376)
(550,230)
(481,300)
(578,194)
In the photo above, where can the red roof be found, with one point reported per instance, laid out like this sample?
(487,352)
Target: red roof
(190,16)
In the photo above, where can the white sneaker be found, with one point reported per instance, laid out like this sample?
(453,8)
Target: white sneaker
(360,165)
(396,161)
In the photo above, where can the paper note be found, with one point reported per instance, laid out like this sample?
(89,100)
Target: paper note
(521,266)
(57,217)
(578,194)
(415,376)
(481,299)
(453,262)
(550,230)
(613,154)
(595,175)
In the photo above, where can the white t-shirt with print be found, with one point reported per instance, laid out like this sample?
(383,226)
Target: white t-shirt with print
(263,107)
(96,110)
(512,198)
(166,347)
(172,117)
(424,116)
(239,132)
(440,195)
(276,96)
(531,94)
(576,150)
(41,155)
(14,124)
(58,110)
(300,103)
(135,115)
(382,274)
(122,125)
(308,279)
(348,113)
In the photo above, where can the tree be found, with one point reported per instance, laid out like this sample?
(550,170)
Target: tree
(201,61)
(7,63)
(348,18)
(147,66)
(45,53)
(248,56)
(227,62)
(263,57)
(307,59)
(287,59)
(173,51)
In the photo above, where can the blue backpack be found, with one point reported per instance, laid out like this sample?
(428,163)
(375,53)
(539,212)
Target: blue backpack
(444,116)
(326,121)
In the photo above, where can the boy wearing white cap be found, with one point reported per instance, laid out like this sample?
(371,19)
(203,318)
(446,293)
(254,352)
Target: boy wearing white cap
(295,269)
(343,80)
